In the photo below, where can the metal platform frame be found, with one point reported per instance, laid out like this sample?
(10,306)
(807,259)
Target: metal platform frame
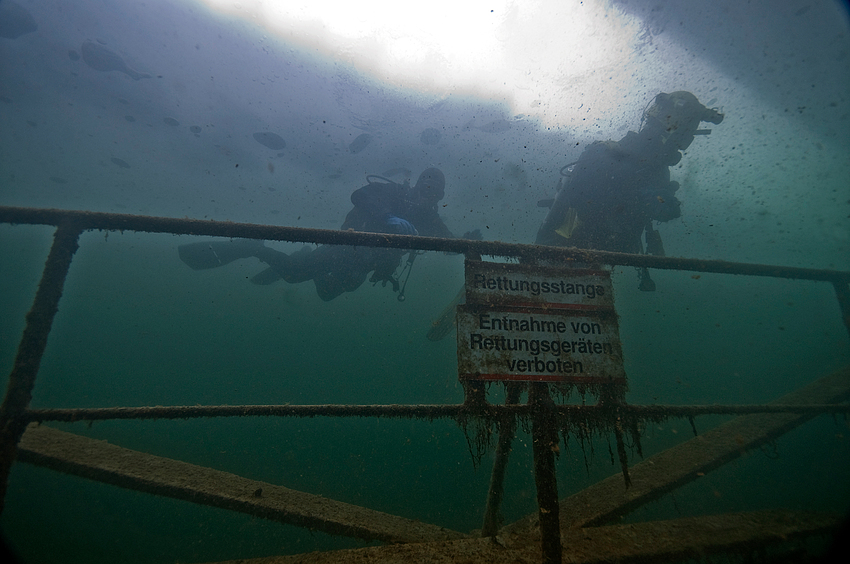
(560,529)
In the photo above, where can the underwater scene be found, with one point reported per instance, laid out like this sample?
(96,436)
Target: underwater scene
(478,115)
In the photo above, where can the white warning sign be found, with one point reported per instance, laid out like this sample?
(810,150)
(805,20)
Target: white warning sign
(538,324)
(537,345)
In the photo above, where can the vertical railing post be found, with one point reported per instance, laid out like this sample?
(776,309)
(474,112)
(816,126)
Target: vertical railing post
(544,431)
(32,345)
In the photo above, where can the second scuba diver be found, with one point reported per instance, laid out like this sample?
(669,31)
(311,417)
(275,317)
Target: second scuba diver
(379,207)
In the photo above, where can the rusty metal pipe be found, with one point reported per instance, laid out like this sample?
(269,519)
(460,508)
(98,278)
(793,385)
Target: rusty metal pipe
(127,222)
(544,434)
(507,430)
(32,345)
(421,411)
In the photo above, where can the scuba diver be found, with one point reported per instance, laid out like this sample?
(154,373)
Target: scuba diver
(611,195)
(379,207)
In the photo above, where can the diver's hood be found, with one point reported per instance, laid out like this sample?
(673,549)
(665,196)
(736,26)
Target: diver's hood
(676,118)
(680,111)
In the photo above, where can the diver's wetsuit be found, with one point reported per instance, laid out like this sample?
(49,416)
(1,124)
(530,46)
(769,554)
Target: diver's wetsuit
(336,269)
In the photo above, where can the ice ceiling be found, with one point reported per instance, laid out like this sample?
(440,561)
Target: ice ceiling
(522,52)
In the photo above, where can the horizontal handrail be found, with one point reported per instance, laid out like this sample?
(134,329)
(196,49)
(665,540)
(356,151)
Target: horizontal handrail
(419,411)
(86,220)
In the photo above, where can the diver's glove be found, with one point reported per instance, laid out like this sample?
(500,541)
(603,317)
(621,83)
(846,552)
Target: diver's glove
(401,226)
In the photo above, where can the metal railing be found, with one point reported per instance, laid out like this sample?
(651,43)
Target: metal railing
(15,413)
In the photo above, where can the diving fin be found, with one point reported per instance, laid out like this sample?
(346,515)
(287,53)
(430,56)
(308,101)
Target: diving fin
(212,254)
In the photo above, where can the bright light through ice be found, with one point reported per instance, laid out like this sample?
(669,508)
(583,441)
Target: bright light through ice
(533,55)
(409,33)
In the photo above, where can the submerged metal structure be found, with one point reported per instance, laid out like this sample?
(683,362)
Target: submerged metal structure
(579,528)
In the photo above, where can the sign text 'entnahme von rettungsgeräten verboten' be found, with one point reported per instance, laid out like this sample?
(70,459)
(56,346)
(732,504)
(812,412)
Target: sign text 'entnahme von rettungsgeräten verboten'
(538,324)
